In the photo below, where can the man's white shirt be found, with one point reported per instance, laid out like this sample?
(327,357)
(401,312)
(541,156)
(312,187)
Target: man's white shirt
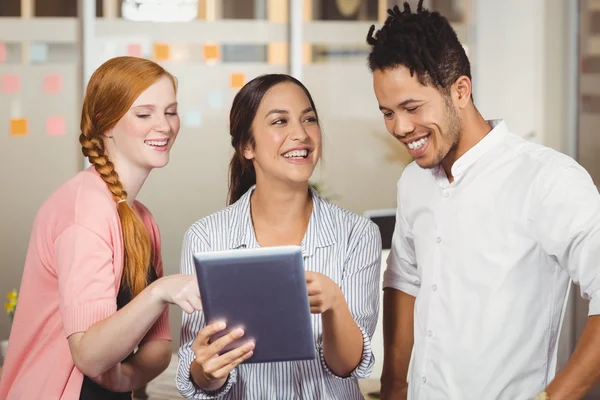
(489,258)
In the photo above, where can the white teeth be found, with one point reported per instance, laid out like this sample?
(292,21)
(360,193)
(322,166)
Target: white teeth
(417,144)
(158,143)
(296,153)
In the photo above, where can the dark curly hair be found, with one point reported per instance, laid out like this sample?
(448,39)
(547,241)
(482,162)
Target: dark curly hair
(424,42)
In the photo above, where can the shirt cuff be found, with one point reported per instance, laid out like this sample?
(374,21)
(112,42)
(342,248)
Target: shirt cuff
(364,368)
(189,390)
(594,305)
(79,318)
(396,281)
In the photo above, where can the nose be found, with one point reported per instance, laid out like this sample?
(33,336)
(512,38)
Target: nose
(162,124)
(402,126)
(298,132)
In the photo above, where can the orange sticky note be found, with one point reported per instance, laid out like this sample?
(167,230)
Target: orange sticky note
(134,50)
(211,52)
(18,127)
(11,83)
(2,52)
(52,83)
(55,126)
(161,51)
(237,80)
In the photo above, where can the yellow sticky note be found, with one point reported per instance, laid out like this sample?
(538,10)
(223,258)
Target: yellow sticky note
(237,80)
(18,126)
(211,52)
(161,51)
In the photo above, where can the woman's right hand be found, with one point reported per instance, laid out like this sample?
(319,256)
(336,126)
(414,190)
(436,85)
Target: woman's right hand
(210,370)
(180,289)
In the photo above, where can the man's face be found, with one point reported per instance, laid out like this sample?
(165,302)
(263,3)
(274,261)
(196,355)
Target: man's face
(420,117)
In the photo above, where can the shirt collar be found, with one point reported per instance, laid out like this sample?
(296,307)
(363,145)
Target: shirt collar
(489,141)
(320,232)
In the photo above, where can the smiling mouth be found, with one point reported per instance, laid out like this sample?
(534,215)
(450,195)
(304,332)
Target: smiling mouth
(157,143)
(296,154)
(417,144)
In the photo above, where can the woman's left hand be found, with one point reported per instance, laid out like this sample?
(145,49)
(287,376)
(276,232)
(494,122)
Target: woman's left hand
(323,293)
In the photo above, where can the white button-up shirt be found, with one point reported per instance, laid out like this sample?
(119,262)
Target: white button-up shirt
(489,258)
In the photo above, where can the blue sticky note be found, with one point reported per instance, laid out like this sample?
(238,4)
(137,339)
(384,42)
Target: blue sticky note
(193,118)
(38,52)
(215,99)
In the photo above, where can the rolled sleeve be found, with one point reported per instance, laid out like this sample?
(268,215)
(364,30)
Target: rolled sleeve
(402,272)
(192,324)
(360,285)
(566,217)
(86,278)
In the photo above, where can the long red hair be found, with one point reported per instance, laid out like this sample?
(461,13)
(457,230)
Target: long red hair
(111,91)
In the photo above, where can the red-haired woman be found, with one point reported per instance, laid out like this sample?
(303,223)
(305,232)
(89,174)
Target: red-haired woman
(92,319)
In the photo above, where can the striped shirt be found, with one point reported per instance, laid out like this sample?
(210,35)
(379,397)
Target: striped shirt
(340,244)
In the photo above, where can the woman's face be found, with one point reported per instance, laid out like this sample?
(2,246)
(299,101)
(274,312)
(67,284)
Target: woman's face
(287,136)
(143,137)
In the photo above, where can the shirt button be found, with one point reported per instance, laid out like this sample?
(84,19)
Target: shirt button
(439,239)
(424,379)
(430,333)
(446,194)
(434,288)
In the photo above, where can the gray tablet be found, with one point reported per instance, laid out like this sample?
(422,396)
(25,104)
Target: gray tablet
(263,291)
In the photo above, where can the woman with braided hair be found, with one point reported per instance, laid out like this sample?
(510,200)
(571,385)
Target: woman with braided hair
(92,320)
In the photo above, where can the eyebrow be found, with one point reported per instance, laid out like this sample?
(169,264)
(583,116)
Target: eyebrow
(153,106)
(403,104)
(279,111)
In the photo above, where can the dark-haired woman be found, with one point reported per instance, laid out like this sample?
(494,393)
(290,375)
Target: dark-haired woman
(276,135)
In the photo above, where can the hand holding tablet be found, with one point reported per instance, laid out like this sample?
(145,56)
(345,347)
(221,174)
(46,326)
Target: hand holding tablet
(215,367)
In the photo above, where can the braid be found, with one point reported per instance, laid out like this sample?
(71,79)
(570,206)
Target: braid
(136,240)
(93,149)
(424,42)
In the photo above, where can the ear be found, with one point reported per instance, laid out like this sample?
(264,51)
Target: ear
(461,91)
(108,134)
(248,152)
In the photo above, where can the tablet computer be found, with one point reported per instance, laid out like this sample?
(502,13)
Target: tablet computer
(263,291)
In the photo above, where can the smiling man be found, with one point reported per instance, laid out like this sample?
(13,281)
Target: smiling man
(490,232)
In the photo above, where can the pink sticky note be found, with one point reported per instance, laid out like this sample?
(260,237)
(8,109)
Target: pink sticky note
(55,126)
(134,50)
(2,52)
(10,83)
(52,83)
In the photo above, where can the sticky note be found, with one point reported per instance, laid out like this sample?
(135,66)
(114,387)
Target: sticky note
(52,83)
(38,52)
(215,99)
(2,52)
(237,80)
(161,51)
(134,50)
(11,83)
(193,118)
(211,52)
(55,126)
(18,126)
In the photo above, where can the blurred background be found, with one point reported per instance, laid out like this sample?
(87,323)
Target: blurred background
(535,63)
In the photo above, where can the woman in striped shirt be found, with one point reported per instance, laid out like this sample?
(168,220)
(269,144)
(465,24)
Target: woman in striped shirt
(277,140)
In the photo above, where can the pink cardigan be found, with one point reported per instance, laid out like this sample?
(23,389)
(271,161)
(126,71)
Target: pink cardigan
(70,281)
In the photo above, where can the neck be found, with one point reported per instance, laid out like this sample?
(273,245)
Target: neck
(280,206)
(132,179)
(474,128)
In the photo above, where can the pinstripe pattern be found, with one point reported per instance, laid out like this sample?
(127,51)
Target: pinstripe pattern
(342,245)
